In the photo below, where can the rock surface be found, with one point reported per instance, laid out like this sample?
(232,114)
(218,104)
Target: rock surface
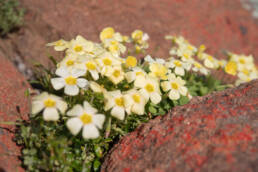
(217,132)
(220,25)
(13,105)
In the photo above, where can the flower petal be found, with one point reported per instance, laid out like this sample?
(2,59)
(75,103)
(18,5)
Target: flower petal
(50,114)
(74,125)
(82,82)
(174,95)
(57,83)
(77,72)
(183,90)
(118,113)
(98,120)
(155,97)
(90,132)
(36,106)
(62,71)
(61,106)
(77,110)
(71,90)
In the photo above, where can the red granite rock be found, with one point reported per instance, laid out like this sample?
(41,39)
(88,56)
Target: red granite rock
(219,24)
(217,132)
(13,105)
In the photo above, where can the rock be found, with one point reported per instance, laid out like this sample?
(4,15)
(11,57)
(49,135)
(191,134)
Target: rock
(217,132)
(220,25)
(13,105)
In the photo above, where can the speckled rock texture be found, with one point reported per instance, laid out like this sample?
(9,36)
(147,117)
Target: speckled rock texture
(217,132)
(13,105)
(219,24)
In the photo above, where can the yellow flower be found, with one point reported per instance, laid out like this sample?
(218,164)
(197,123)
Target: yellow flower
(107,33)
(131,61)
(231,68)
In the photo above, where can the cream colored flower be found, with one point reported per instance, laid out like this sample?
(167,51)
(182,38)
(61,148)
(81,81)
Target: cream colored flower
(70,81)
(149,88)
(114,47)
(86,118)
(59,45)
(131,75)
(149,59)
(197,67)
(69,62)
(80,46)
(209,61)
(51,105)
(107,33)
(131,61)
(158,70)
(95,87)
(175,86)
(115,74)
(106,60)
(114,100)
(92,67)
(178,66)
(135,102)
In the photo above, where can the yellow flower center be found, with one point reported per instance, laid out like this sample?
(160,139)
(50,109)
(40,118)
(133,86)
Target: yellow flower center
(242,61)
(231,68)
(190,47)
(138,73)
(149,88)
(113,48)
(136,98)
(246,71)
(174,85)
(210,58)
(187,56)
(78,48)
(197,65)
(86,118)
(90,66)
(177,63)
(70,62)
(119,101)
(49,103)
(116,73)
(131,61)
(70,80)
(107,61)
(59,43)
(202,47)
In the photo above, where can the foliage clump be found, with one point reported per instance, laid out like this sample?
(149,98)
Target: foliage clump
(11,16)
(99,92)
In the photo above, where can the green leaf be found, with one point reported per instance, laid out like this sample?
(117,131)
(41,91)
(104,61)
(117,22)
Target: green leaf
(183,100)
(152,110)
(96,165)
(98,151)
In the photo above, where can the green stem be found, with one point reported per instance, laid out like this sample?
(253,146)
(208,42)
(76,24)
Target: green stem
(9,123)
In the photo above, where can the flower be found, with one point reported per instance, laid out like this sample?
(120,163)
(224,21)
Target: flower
(80,46)
(115,74)
(158,70)
(107,60)
(95,87)
(59,45)
(197,67)
(231,68)
(69,62)
(131,61)
(70,81)
(131,75)
(149,59)
(51,105)
(135,101)
(149,88)
(175,86)
(93,68)
(178,66)
(106,33)
(115,101)
(85,117)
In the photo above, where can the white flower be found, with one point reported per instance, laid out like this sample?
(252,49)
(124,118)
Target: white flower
(135,102)
(131,75)
(69,62)
(70,81)
(93,68)
(85,117)
(80,46)
(115,74)
(178,66)
(209,61)
(149,59)
(175,86)
(107,60)
(197,67)
(158,70)
(97,88)
(115,101)
(149,88)
(59,45)
(51,105)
